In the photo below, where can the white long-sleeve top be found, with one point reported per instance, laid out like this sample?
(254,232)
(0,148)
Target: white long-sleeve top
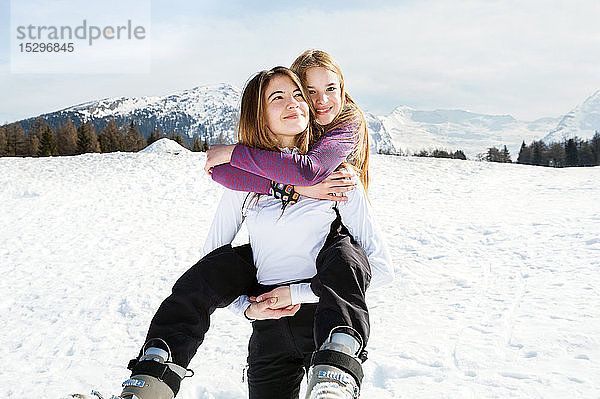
(285,246)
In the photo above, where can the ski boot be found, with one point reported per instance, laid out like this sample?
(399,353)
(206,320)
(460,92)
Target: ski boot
(336,370)
(153,376)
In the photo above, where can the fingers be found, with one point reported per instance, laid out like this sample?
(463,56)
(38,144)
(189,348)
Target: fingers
(338,198)
(262,306)
(272,302)
(270,294)
(343,173)
(264,312)
(285,312)
(341,189)
(342,182)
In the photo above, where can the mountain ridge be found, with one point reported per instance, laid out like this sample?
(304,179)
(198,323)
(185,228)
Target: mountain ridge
(211,113)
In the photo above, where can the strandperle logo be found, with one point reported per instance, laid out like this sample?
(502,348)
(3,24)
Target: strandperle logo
(90,33)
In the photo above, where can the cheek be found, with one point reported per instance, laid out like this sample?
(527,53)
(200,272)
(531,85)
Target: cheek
(336,100)
(304,107)
(271,116)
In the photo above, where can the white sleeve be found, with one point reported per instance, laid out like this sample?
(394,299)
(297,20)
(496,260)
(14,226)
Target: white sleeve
(240,305)
(357,215)
(226,222)
(225,225)
(302,293)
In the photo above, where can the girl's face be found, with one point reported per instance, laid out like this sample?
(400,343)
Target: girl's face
(286,111)
(325,93)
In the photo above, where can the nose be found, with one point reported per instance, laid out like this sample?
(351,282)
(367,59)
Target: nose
(322,98)
(293,103)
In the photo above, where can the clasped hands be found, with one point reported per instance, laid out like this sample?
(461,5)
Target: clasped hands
(274,304)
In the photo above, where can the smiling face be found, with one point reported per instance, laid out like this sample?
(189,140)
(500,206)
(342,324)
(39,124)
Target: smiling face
(285,110)
(325,93)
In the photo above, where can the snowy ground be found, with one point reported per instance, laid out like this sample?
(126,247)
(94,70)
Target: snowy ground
(497,292)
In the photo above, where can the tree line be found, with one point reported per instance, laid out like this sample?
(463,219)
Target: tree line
(437,153)
(41,140)
(571,152)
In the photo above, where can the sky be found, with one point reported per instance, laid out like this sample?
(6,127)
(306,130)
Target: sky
(530,59)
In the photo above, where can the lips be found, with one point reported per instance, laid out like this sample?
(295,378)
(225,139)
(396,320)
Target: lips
(323,111)
(293,116)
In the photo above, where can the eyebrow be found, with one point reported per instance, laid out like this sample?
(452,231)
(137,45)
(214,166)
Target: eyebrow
(281,92)
(327,85)
(275,92)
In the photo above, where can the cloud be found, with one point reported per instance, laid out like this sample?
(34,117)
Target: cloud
(530,59)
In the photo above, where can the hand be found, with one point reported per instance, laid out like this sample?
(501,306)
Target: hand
(217,155)
(262,311)
(281,295)
(338,182)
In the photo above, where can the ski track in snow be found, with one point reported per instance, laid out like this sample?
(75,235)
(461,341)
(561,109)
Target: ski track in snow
(496,292)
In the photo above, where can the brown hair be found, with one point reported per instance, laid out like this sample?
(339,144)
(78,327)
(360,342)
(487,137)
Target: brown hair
(349,111)
(252,128)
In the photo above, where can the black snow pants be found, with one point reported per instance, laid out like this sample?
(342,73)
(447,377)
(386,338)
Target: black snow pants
(343,275)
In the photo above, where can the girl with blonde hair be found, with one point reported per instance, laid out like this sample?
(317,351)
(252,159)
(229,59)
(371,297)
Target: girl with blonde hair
(340,135)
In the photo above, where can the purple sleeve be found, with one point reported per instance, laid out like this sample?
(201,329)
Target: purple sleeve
(240,180)
(303,170)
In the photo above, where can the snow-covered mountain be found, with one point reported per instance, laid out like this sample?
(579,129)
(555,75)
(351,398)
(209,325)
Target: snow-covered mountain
(412,130)
(211,113)
(582,121)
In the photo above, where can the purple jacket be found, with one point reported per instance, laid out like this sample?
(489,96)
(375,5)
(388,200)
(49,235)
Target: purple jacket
(252,169)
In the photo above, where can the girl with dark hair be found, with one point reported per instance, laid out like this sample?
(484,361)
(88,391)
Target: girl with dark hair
(285,248)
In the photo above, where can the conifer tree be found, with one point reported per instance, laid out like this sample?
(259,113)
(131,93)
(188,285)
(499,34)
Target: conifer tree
(83,139)
(196,145)
(556,154)
(34,136)
(37,128)
(47,145)
(459,154)
(595,145)
(132,140)
(155,135)
(3,142)
(66,138)
(585,154)
(16,141)
(94,146)
(524,154)
(537,153)
(110,139)
(505,155)
(571,156)
(33,145)
(493,155)
(86,139)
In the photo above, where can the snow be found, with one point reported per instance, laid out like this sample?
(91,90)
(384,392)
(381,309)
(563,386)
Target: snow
(496,295)
(165,146)
(583,121)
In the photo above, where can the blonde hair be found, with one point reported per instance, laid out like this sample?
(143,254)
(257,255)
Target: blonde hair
(349,111)
(252,127)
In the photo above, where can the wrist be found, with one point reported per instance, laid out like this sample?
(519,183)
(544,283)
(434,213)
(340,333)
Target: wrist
(246,314)
(230,149)
(284,192)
